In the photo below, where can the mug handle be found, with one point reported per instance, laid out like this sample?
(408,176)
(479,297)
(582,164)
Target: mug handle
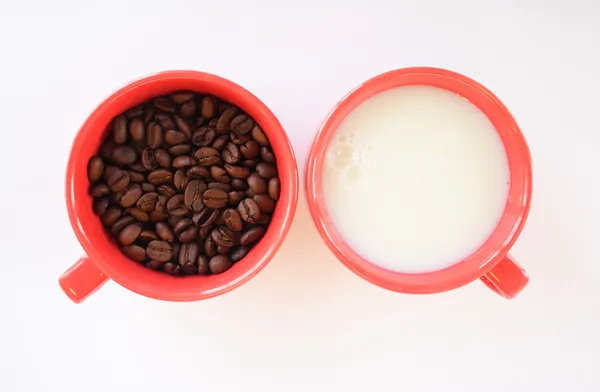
(507,278)
(82,279)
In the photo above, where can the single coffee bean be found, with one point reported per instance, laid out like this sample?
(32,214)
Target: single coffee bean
(237,171)
(110,216)
(118,181)
(198,172)
(174,138)
(250,149)
(120,224)
(234,198)
(134,252)
(147,236)
(171,268)
(164,231)
(139,215)
(176,205)
(180,149)
(240,140)
(265,203)
(183,161)
(136,176)
(208,107)
(219,174)
(99,190)
(207,156)
(252,235)
(239,184)
(147,187)
(239,253)
(225,119)
(163,158)
(180,97)
(124,155)
(183,126)
(120,129)
(147,202)
(220,142)
(130,195)
(149,159)
(166,190)
(267,154)
(223,250)
(242,124)
(249,163)
(219,264)
(223,236)
(179,180)
(231,154)
(188,109)
(210,247)
(135,112)
(205,217)
(101,205)
(193,195)
(204,136)
(215,198)
(266,170)
(249,210)
(165,121)
(129,233)
(154,264)
(202,263)
(136,129)
(232,219)
(219,185)
(164,104)
(259,136)
(159,251)
(185,230)
(274,188)
(154,135)
(160,177)
(95,168)
(188,258)
(257,184)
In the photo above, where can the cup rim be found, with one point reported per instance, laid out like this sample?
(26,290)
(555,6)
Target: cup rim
(518,201)
(132,275)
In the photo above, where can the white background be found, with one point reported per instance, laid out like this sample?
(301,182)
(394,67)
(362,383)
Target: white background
(305,322)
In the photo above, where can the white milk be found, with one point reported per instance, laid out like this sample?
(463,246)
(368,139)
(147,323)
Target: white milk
(416,179)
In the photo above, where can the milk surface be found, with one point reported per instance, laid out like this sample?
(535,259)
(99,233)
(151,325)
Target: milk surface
(416,179)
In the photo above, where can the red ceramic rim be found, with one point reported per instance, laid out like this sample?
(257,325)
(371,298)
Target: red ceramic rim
(517,204)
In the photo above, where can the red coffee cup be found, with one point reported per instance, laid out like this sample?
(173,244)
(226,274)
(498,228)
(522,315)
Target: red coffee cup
(104,260)
(491,262)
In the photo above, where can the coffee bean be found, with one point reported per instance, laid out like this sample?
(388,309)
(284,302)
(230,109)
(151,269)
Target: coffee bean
(175,253)
(231,154)
(219,185)
(225,119)
(124,155)
(180,149)
(241,125)
(265,203)
(110,216)
(107,148)
(234,198)
(171,268)
(101,205)
(266,170)
(204,217)
(223,236)
(147,236)
(130,195)
(99,190)
(240,139)
(267,155)
(204,136)
(202,263)
(185,230)
(159,251)
(207,156)
(239,184)
(147,187)
(239,253)
(237,171)
(179,179)
(173,220)
(183,161)
(274,188)
(174,138)
(164,231)
(219,264)
(118,181)
(134,252)
(136,129)
(148,114)
(149,159)
(135,112)
(137,167)
(252,235)
(136,176)
(250,149)
(188,258)
(176,205)
(130,233)
(249,210)
(120,224)
(210,247)
(164,104)
(183,126)
(95,168)
(147,202)
(259,136)
(232,219)
(182,97)
(198,172)
(166,190)
(120,129)
(188,109)
(219,174)
(220,142)
(160,177)
(193,195)
(215,198)
(154,135)
(138,214)
(257,184)
(223,250)
(163,158)
(249,163)
(208,107)
(157,216)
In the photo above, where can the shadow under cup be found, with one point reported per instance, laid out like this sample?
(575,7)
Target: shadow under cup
(490,262)
(105,260)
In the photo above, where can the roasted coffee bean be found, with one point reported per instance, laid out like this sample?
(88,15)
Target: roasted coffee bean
(154,135)
(157,216)
(193,195)
(171,268)
(249,163)
(165,232)
(175,253)
(136,129)
(231,154)
(249,150)
(176,205)
(265,203)
(165,121)
(204,136)
(267,155)
(166,190)
(204,231)
(234,198)
(139,214)
(232,219)
(136,176)
(147,202)
(238,184)
(147,187)
(257,184)
(154,264)
(179,179)
(180,149)
(202,263)
(252,235)
(274,188)
(240,140)
(182,97)
(266,170)
(183,161)
(207,156)
(120,129)
(219,185)
(188,109)
(99,190)
(215,198)
(147,236)
(107,148)
(220,142)
(124,155)
(174,138)
(219,264)
(149,159)
(120,224)
(249,210)
(225,119)
(173,220)
(238,253)
(130,195)
(110,216)
(198,172)
(259,135)
(183,126)
(208,107)
(223,250)
(164,104)
(185,230)
(160,177)
(250,193)
(101,205)
(219,174)
(242,124)
(223,236)
(210,247)
(135,112)
(130,233)
(188,258)
(118,181)
(134,252)
(163,158)
(159,251)
(237,171)
(95,169)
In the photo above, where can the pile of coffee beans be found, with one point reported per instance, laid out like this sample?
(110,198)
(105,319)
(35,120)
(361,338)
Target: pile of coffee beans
(185,183)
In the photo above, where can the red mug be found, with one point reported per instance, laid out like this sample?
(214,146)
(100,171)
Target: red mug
(104,260)
(491,263)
